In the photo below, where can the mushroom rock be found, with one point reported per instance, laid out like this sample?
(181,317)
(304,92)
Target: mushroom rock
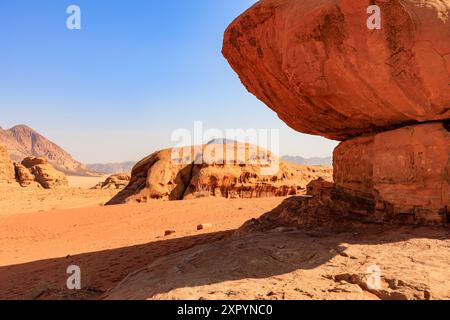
(324,72)
(385,93)
(407,170)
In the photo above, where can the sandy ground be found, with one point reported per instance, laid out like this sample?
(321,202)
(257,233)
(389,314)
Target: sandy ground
(123,252)
(85,182)
(108,243)
(15,199)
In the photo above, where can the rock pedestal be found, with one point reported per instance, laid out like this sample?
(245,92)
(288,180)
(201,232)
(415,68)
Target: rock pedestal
(407,170)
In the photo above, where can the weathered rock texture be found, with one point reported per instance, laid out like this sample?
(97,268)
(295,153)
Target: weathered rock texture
(6,166)
(40,171)
(162,176)
(115,181)
(406,169)
(385,93)
(24,175)
(324,72)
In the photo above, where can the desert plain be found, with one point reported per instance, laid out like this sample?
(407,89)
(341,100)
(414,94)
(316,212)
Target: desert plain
(123,251)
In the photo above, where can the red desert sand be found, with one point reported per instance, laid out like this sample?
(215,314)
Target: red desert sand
(108,243)
(123,254)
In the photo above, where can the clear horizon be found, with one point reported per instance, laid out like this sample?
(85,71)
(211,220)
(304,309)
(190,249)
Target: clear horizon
(115,90)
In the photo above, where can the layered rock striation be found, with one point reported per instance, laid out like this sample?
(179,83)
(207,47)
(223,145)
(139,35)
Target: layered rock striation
(38,171)
(218,170)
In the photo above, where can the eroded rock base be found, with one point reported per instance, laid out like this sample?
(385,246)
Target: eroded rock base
(328,205)
(406,171)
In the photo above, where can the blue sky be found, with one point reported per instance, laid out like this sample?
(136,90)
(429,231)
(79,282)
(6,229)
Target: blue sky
(137,70)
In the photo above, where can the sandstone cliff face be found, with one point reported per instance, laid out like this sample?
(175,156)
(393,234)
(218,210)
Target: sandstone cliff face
(385,93)
(6,166)
(38,170)
(161,176)
(324,72)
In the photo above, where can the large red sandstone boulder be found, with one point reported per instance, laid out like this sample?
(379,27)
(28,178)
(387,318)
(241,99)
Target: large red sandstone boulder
(325,73)
(6,166)
(220,173)
(385,93)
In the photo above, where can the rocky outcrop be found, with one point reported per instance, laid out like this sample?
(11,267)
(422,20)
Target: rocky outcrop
(163,176)
(406,170)
(384,93)
(40,171)
(115,181)
(6,166)
(324,72)
(22,141)
(24,175)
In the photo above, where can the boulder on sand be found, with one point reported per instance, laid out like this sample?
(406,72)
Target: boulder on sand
(225,170)
(6,166)
(42,171)
(115,181)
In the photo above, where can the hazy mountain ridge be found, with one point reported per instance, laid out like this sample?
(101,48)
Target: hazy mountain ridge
(22,141)
(327,161)
(108,168)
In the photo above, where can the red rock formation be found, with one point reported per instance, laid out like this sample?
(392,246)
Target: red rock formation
(6,166)
(41,171)
(160,176)
(22,141)
(385,93)
(324,72)
(407,169)
(115,181)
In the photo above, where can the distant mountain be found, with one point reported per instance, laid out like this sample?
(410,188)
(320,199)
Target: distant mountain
(109,168)
(22,141)
(328,161)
